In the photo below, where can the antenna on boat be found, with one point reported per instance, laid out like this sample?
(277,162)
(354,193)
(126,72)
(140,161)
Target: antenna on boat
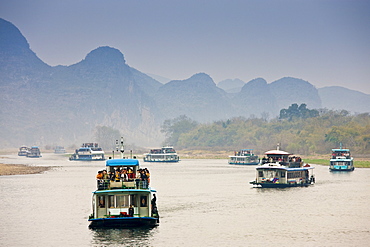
(122,150)
(278,146)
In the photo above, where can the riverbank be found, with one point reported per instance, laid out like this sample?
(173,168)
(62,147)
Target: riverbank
(16,169)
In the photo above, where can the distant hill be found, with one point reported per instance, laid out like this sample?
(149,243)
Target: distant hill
(63,105)
(197,97)
(287,90)
(342,98)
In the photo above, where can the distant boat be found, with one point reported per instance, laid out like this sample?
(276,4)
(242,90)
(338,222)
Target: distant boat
(244,157)
(280,169)
(23,151)
(124,198)
(164,154)
(88,152)
(34,152)
(341,160)
(59,150)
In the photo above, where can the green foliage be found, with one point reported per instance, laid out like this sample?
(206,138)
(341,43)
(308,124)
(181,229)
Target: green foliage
(173,128)
(106,137)
(313,135)
(294,111)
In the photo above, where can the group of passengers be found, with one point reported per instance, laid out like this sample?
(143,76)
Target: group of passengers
(124,175)
(340,154)
(273,159)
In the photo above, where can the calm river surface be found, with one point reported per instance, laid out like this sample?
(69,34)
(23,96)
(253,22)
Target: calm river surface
(201,203)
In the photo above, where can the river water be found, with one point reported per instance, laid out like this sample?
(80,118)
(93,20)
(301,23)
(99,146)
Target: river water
(202,202)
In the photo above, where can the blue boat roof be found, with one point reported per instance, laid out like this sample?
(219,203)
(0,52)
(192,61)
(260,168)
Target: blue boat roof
(122,162)
(340,150)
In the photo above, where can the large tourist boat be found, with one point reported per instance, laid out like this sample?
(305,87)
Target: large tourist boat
(34,152)
(124,197)
(164,154)
(244,157)
(341,160)
(23,151)
(88,152)
(281,169)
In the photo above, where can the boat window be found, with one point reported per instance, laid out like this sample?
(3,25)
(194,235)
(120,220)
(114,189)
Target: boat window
(260,173)
(133,200)
(282,174)
(143,201)
(122,201)
(111,201)
(101,201)
(295,174)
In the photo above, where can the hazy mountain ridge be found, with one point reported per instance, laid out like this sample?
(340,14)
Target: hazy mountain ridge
(63,104)
(342,98)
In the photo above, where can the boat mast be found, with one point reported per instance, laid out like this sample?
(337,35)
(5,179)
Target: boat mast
(122,150)
(120,147)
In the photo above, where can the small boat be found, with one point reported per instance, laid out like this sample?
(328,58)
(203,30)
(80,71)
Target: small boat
(23,151)
(34,152)
(59,150)
(244,157)
(164,154)
(123,199)
(341,160)
(88,152)
(280,170)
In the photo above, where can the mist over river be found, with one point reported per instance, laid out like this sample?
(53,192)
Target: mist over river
(201,202)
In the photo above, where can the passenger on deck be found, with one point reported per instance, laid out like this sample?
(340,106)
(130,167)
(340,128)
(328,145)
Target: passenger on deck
(147,175)
(131,211)
(99,175)
(105,175)
(117,175)
(124,175)
(130,174)
(111,175)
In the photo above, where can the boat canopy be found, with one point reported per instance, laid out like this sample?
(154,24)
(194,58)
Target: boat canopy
(340,150)
(122,162)
(277,152)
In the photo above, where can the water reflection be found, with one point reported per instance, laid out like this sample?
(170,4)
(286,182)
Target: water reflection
(125,237)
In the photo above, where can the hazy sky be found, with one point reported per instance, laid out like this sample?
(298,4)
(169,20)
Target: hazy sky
(324,42)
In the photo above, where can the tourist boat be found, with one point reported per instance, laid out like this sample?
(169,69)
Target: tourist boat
(280,169)
(88,152)
(23,151)
(123,200)
(59,150)
(164,154)
(244,157)
(341,160)
(34,152)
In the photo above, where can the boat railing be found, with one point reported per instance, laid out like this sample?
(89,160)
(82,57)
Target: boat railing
(107,184)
